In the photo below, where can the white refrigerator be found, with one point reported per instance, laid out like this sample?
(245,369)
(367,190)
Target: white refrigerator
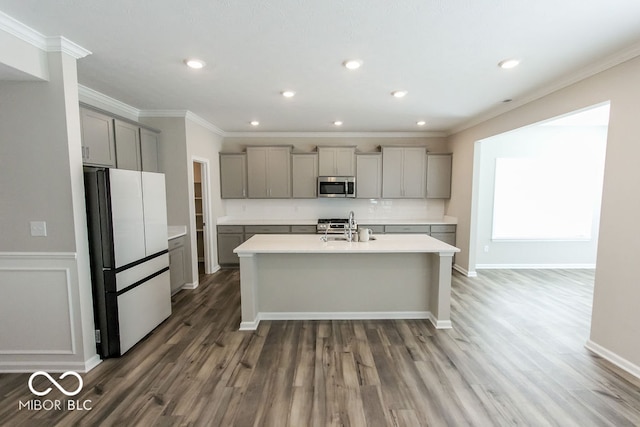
(127,221)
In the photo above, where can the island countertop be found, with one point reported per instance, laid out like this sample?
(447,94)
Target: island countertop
(313,243)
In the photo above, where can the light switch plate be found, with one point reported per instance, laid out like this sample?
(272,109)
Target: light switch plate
(38,228)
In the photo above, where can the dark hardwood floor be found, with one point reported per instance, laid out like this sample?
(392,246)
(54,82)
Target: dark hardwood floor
(515,356)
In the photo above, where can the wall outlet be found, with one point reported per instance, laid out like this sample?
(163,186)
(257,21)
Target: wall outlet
(38,228)
(486,248)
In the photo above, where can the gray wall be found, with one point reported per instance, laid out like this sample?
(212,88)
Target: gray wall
(615,312)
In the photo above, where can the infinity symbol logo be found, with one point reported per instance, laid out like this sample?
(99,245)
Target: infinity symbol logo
(55,383)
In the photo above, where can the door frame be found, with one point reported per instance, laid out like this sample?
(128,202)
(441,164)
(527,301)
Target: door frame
(205,179)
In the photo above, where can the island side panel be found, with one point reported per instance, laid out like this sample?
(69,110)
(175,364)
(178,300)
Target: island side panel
(249,291)
(339,285)
(440,290)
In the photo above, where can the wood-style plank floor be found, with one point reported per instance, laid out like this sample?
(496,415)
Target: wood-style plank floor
(515,356)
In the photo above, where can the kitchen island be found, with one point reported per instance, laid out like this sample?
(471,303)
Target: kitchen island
(297,277)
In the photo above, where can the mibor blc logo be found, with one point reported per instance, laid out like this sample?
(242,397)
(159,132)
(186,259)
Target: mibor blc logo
(55,405)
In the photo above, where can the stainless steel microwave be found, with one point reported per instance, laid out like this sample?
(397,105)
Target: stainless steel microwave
(336,186)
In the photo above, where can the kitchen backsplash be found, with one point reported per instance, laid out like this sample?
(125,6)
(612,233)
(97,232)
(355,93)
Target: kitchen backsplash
(335,208)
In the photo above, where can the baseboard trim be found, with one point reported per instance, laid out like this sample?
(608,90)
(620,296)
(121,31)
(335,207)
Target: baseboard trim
(359,315)
(464,271)
(535,266)
(612,357)
(215,269)
(191,286)
(49,366)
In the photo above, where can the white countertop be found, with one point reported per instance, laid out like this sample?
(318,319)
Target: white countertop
(313,221)
(175,231)
(312,243)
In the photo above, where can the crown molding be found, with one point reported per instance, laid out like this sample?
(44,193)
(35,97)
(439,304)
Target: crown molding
(591,70)
(37,39)
(186,114)
(104,102)
(21,31)
(334,134)
(64,45)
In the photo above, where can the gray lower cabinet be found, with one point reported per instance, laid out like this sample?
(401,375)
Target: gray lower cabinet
(98,146)
(127,146)
(228,240)
(414,229)
(444,232)
(176,263)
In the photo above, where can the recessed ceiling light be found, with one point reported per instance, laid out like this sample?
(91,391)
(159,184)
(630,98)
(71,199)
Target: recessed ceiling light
(352,64)
(194,63)
(508,63)
(337,123)
(255,123)
(288,93)
(421,123)
(399,93)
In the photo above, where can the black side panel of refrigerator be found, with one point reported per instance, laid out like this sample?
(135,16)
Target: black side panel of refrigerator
(100,250)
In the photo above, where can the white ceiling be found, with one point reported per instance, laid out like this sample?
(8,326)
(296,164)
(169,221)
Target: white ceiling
(443,52)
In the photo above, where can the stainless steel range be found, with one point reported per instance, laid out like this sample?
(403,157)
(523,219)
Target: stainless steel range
(335,226)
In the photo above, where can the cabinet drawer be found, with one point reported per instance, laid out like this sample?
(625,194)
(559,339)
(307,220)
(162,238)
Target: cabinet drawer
(406,229)
(443,228)
(304,229)
(266,229)
(375,229)
(176,243)
(225,229)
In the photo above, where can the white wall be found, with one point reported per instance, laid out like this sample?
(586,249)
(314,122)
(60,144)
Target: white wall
(615,313)
(46,315)
(552,142)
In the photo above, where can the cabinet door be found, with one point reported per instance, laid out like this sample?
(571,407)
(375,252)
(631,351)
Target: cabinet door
(439,176)
(257,172)
(369,176)
(305,175)
(98,146)
(226,244)
(326,161)
(391,172)
(149,150)
(413,172)
(233,176)
(336,161)
(345,161)
(279,172)
(127,146)
(176,268)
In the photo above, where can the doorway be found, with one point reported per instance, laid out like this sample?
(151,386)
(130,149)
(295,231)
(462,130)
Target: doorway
(201,214)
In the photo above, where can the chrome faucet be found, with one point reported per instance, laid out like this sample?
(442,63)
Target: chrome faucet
(351,226)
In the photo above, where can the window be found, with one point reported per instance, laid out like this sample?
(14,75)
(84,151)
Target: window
(546,198)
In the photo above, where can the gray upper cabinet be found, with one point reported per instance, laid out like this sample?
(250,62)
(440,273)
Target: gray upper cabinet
(149,150)
(233,175)
(336,161)
(127,146)
(269,172)
(304,168)
(98,146)
(439,176)
(403,172)
(369,175)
